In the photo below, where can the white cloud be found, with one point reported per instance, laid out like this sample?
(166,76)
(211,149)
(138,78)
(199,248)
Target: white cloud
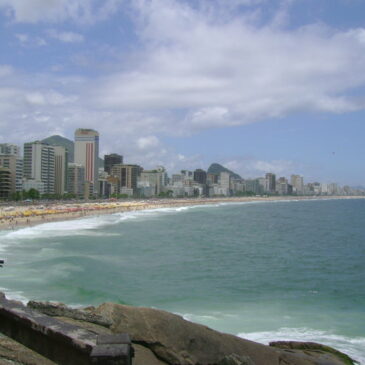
(144,143)
(232,72)
(6,70)
(26,40)
(66,37)
(193,70)
(80,11)
(251,167)
(49,97)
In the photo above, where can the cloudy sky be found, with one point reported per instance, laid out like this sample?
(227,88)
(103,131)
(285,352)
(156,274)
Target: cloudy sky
(257,85)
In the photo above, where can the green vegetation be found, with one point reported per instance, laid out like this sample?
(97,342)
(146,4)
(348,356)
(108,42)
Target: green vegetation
(31,194)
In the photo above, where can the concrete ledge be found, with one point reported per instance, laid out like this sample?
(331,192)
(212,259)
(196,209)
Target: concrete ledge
(61,342)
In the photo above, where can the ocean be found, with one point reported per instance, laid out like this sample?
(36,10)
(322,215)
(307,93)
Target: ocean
(286,270)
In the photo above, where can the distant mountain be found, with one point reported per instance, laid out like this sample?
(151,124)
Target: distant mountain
(64,142)
(69,145)
(216,168)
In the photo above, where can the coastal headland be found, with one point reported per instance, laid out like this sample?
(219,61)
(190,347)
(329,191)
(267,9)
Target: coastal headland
(16,216)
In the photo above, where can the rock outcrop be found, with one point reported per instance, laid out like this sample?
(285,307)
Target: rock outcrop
(162,338)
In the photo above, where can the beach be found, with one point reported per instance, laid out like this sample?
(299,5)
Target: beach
(16,216)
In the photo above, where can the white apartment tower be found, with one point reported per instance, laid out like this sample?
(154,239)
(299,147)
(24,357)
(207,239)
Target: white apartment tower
(61,157)
(39,164)
(9,149)
(87,153)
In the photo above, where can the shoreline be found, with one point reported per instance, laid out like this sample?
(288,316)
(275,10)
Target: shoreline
(12,218)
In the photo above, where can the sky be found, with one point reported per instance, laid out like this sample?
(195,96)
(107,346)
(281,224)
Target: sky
(256,85)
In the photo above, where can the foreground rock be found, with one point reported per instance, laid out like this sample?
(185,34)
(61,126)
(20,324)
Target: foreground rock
(162,338)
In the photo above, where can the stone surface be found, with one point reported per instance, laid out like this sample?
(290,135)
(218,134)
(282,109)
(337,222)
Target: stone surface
(61,310)
(162,338)
(12,352)
(324,353)
(236,360)
(59,341)
(177,341)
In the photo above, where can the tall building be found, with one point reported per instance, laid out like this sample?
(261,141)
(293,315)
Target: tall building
(87,154)
(39,164)
(283,187)
(10,157)
(15,165)
(212,178)
(177,179)
(9,149)
(61,160)
(270,182)
(187,177)
(111,160)
(225,183)
(127,175)
(253,186)
(76,179)
(298,184)
(5,183)
(154,179)
(200,176)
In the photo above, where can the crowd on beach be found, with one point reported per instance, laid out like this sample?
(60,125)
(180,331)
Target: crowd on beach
(14,216)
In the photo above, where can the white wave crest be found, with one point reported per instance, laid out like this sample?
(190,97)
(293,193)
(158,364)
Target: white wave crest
(14,295)
(352,346)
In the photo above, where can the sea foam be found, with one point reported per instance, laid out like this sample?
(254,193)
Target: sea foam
(352,346)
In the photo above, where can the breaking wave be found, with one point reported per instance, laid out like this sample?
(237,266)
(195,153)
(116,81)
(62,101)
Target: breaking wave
(352,346)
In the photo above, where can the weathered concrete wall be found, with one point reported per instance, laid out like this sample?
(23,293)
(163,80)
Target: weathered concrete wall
(61,342)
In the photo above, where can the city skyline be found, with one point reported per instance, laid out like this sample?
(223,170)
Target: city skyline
(257,86)
(47,171)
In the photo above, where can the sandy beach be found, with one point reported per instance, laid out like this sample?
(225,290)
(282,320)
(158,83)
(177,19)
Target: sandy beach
(14,216)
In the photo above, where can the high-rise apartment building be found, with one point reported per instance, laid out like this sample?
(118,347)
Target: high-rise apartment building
(200,176)
(39,164)
(10,158)
(270,182)
(9,149)
(155,179)
(212,178)
(61,160)
(177,179)
(15,164)
(283,187)
(127,175)
(87,154)
(111,160)
(225,183)
(298,184)
(253,186)
(5,183)
(76,179)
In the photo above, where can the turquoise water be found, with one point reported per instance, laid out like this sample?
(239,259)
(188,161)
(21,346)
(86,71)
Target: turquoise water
(265,271)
